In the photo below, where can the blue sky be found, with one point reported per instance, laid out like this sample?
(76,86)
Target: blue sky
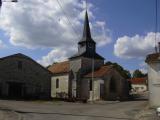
(128,25)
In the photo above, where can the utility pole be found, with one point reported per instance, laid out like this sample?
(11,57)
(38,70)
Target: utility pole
(156,24)
(92,64)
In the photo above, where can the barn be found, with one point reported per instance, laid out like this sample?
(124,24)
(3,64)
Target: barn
(23,78)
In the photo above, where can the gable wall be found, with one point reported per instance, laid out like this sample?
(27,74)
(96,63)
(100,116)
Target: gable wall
(36,80)
(63,86)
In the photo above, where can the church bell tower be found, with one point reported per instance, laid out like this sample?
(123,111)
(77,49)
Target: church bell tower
(86,44)
(82,62)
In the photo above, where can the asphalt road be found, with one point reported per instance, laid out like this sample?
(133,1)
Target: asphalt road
(40,110)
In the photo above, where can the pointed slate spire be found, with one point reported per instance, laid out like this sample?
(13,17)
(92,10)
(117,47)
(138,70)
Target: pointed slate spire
(86,30)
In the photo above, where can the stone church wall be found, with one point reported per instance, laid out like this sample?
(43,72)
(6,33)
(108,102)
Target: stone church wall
(62,90)
(121,87)
(74,79)
(87,64)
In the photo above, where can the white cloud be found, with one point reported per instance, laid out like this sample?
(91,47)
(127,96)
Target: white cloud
(2,45)
(143,67)
(102,35)
(57,55)
(136,46)
(42,23)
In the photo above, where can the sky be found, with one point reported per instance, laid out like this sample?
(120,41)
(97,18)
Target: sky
(124,30)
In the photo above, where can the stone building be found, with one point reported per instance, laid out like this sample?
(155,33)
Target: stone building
(22,77)
(85,76)
(153,61)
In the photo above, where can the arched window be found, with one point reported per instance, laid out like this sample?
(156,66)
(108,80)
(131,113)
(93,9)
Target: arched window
(112,85)
(20,65)
(57,83)
(90,85)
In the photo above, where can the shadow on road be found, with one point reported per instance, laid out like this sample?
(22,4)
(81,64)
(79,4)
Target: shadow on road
(63,114)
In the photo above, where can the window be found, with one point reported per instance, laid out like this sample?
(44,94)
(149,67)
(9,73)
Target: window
(57,83)
(20,65)
(90,85)
(112,85)
(0,89)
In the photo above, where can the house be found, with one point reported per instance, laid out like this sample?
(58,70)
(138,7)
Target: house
(153,61)
(22,77)
(139,85)
(84,75)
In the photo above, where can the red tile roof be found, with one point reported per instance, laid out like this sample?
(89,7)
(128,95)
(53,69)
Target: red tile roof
(59,68)
(138,80)
(102,71)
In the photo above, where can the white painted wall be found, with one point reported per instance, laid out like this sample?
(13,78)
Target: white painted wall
(139,88)
(154,84)
(63,85)
(96,88)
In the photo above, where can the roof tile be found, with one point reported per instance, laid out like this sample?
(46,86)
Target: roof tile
(59,68)
(102,71)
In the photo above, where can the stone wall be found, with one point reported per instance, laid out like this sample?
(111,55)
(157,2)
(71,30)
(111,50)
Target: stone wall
(121,86)
(80,67)
(88,62)
(97,90)
(154,83)
(34,78)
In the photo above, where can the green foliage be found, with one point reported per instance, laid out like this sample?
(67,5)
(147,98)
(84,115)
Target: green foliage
(138,74)
(125,73)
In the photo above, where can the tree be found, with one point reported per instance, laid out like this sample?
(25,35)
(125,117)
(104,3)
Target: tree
(125,73)
(138,74)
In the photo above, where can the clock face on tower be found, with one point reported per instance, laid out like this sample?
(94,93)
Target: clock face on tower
(90,45)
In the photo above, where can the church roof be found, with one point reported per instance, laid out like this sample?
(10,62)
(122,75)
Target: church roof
(85,54)
(59,68)
(102,71)
(20,55)
(86,31)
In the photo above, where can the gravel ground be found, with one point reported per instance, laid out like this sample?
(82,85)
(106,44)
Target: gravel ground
(41,110)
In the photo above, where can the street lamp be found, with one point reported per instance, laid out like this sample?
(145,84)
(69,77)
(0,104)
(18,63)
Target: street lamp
(7,1)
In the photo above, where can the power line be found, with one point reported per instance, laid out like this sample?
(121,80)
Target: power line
(74,30)
(156,23)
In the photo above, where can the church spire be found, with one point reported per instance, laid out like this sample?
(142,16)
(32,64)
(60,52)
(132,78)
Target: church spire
(86,30)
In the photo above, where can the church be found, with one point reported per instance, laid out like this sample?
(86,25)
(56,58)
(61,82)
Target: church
(85,76)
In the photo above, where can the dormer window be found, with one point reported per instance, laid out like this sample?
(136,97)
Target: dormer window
(57,83)
(20,65)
